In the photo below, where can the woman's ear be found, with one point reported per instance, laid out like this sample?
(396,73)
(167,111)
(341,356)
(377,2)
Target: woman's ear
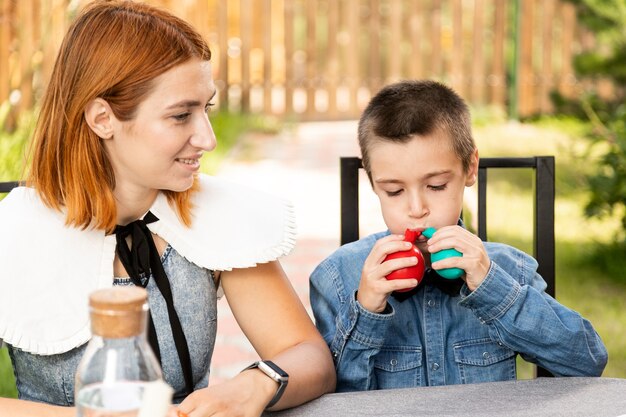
(472,170)
(98,115)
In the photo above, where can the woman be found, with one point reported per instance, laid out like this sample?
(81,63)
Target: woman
(114,170)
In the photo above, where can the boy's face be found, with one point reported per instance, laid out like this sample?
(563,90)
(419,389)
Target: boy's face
(420,183)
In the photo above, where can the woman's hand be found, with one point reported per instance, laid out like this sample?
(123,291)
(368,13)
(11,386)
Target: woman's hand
(246,395)
(475,261)
(10,407)
(374,288)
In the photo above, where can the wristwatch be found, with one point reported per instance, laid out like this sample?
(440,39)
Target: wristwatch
(273,371)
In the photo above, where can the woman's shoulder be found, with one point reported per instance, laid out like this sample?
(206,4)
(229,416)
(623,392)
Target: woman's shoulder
(233,226)
(19,200)
(48,268)
(24,214)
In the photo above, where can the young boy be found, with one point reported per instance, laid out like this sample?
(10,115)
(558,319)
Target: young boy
(419,154)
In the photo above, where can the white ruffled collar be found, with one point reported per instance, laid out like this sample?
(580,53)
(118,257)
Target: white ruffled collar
(49,269)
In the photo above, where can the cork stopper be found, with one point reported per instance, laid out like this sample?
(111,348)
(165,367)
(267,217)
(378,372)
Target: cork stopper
(118,312)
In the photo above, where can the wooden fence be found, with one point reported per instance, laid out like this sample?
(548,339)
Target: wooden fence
(323,59)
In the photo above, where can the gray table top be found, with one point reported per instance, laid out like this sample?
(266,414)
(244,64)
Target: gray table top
(589,397)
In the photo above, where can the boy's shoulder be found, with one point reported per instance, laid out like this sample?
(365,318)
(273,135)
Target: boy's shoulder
(517,263)
(498,250)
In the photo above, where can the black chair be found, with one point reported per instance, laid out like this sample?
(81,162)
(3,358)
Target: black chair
(5,187)
(543,236)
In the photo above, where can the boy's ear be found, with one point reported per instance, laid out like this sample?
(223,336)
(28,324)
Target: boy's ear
(99,115)
(472,171)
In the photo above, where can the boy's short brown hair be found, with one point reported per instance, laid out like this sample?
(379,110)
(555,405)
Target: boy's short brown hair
(416,107)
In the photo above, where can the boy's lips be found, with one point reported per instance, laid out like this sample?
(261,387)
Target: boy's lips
(420,237)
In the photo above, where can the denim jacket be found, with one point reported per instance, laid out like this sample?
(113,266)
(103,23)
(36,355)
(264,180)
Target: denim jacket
(433,338)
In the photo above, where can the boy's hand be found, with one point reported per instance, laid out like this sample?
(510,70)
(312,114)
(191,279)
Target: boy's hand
(474,262)
(374,288)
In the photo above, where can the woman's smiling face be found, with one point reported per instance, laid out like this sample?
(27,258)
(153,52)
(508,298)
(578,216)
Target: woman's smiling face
(161,147)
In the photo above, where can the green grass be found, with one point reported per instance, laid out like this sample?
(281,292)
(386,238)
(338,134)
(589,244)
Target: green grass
(228,128)
(7,384)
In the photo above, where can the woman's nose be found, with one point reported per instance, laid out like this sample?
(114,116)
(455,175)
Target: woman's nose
(204,136)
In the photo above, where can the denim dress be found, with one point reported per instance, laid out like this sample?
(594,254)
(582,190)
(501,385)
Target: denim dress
(50,378)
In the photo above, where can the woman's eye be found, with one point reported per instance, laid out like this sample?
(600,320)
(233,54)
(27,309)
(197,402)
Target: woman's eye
(207,108)
(181,117)
(438,187)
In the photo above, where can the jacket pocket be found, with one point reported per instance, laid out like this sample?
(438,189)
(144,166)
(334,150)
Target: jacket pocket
(483,360)
(398,367)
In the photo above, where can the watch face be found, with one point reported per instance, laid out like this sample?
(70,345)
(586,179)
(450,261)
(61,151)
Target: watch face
(273,371)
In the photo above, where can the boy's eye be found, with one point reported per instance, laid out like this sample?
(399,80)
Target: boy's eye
(393,193)
(207,108)
(438,187)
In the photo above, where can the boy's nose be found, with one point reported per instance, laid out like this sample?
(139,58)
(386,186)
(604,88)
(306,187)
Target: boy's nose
(417,207)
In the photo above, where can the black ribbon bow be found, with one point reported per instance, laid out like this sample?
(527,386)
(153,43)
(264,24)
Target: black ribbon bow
(451,287)
(141,261)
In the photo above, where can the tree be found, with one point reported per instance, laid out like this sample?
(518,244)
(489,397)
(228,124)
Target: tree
(607,20)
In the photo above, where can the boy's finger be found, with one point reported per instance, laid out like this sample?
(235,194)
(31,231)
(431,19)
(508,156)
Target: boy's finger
(391,265)
(402,284)
(386,248)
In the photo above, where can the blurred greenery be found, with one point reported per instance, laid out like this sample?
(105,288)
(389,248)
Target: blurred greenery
(7,384)
(228,129)
(13,144)
(589,264)
(604,107)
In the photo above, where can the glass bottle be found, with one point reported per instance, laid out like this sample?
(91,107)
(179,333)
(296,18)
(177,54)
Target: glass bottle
(119,369)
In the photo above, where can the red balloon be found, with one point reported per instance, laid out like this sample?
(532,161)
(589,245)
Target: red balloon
(415,271)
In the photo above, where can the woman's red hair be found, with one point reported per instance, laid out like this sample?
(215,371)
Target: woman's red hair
(113,50)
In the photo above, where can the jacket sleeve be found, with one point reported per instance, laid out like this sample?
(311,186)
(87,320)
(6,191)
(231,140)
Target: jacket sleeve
(522,316)
(353,334)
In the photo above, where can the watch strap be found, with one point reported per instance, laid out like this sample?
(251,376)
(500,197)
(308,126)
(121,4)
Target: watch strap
(274,372)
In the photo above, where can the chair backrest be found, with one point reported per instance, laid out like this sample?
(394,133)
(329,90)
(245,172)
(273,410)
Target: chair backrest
(543,233)
(5,187)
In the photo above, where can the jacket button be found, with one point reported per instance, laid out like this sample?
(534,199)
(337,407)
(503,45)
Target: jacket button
(434,366)
(393,362)
(486,355)
(431,303)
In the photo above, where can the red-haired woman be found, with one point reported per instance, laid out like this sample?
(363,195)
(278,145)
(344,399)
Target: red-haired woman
(114,169)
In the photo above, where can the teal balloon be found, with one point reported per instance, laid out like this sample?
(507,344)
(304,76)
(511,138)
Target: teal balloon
(448,273)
